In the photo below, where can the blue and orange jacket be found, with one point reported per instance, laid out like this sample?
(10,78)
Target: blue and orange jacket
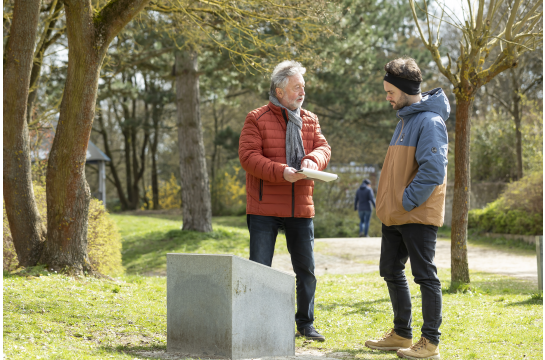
(413,180)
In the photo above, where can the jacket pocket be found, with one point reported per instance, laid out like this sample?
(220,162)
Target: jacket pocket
(260,189)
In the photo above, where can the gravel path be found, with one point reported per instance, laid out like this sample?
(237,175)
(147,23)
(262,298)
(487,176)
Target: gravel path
(360,255)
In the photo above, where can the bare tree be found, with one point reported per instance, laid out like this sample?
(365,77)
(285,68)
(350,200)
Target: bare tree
(27,228)
(483,30)
(510,93)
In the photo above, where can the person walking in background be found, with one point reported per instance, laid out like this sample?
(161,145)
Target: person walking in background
(411,206)
(277,140)
(362,203)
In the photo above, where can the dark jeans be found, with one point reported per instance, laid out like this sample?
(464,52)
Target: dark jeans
(365,219)
(417,242)
(300,242)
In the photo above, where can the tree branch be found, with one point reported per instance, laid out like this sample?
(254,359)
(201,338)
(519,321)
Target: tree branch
(536,81)
(113,17)
(415,17)
(526,18)
(480,15)
(502,102)
(511,21)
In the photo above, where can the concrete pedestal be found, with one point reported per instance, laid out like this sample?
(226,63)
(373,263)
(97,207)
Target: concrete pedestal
(223,305)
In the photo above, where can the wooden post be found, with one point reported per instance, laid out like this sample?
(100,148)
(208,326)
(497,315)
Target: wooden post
(539,251)
(102,181)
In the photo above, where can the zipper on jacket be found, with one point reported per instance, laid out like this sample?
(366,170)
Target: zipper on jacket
(284,116)
(292,199)
(401,131)
(260,189)
(292,184)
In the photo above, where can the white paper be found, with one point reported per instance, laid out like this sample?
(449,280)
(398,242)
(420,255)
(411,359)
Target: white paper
(318,175)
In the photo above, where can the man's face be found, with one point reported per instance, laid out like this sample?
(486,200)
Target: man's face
(293,95)
(396,97)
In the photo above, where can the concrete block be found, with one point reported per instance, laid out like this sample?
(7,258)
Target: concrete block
(223,305)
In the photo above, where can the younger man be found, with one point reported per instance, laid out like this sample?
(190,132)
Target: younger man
(411,205)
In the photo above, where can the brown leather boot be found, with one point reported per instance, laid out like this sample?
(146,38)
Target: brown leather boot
(390,342)
(423,349)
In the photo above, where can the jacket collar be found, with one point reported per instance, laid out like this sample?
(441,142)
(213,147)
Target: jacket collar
(277,110)
(280,113)
(432,101)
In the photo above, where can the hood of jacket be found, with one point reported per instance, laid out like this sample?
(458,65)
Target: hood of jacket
(432,101)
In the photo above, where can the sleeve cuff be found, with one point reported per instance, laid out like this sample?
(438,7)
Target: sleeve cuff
(408,205)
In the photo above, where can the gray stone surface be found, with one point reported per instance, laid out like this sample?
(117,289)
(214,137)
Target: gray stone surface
(223,305)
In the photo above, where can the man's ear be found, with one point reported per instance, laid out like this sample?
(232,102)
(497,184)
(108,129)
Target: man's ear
(279,93)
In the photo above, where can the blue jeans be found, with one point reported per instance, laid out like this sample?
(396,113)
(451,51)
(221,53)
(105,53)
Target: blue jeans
(365,219)
(417,242)
(300,243)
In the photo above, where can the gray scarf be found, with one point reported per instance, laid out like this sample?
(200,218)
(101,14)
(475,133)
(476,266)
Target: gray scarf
(294,142)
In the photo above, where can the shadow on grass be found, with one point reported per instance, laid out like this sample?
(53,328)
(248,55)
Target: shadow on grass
(154,352)
(535,299)
(160,352)
(474,237)
(362,353)
(491,284)
(359,307)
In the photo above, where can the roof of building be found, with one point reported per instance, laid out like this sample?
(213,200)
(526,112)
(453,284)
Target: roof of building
(94,154)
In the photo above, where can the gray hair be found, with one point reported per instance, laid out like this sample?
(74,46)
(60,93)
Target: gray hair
(279,77)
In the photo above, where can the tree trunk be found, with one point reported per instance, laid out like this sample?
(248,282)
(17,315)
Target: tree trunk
(214,162)
(197,212)
(126,130)
(517,114)
(68,194)
(27,228)
(156,114)
(89,34)
(462,185)
(113,169)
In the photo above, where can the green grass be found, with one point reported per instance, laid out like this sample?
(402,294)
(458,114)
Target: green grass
(499,318)
(147,240)
(474,238)
(52,316)
(57,317)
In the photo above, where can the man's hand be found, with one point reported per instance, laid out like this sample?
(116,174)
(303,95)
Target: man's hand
(309,164)
(291,175)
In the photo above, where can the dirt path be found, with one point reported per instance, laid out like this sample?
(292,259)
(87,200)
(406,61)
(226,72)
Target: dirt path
(360,255)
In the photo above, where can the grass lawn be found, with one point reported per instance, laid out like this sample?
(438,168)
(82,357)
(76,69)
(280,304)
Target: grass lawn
(474,238)
(51,316)
(147,240)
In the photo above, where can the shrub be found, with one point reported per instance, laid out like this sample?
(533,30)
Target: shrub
(103,238)
(519,210)
(493,139)
(170,195)
(228,190)
(103,241)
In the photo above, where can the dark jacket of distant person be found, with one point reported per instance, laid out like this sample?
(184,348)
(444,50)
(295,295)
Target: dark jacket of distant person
(364,197)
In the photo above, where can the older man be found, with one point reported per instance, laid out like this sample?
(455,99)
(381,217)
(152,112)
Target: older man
(277,140)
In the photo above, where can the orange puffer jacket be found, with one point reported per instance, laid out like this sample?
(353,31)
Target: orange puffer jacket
(262,153)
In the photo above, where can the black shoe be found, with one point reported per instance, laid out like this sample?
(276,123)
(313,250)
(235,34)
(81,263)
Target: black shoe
(310,333)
